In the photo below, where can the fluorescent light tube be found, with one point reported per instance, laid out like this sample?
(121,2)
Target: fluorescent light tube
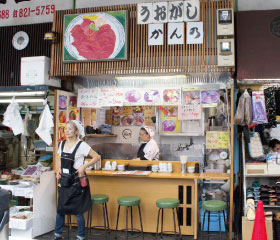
(23,100)
(31,93)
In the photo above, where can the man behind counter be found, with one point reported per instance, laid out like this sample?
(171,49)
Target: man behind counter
(149,149)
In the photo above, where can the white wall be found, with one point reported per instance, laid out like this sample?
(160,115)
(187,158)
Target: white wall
(98,3)
(248,5)
(243,5)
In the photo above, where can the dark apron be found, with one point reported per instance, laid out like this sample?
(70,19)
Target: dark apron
(140,153)
(74,199)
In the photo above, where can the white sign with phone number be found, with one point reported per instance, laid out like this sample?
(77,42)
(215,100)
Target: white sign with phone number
(21,12)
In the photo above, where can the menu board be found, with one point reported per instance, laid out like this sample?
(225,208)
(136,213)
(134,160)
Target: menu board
(216,140)
(88,98)
(169,120)
(108,97)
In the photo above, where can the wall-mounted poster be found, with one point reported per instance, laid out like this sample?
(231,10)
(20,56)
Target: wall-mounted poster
(191,107)
(210,98)
(169,120)
(171,96)
(133,97)
(95,36)
(62,102)
(152,96)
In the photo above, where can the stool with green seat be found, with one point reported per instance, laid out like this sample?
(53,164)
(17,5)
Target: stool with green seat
(168,203)
(97,199)
(213,206)
(129,202)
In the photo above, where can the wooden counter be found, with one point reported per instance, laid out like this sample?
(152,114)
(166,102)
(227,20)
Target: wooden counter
(217,176)
(150,188)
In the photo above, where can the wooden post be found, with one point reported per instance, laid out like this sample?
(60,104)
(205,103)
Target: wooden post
(232,159)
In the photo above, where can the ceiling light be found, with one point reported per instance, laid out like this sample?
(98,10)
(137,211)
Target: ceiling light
(34,93)
(23,100)
(150,77)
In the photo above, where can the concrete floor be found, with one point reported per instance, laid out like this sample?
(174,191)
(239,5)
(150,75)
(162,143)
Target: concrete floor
(112,236)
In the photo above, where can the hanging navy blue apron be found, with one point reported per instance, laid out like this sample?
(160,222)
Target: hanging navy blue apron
(140,153)
(72,199)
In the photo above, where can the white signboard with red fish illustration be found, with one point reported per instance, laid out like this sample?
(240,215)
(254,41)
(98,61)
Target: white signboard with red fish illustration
(95,36)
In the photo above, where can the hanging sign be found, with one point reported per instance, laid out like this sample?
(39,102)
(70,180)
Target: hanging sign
(87,98)
(259,112)
(216,140)
(110,97)
(21,12)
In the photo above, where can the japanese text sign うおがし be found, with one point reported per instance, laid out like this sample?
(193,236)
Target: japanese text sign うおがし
(163,12)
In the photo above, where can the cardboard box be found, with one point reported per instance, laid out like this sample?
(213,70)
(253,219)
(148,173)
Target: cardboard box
(248,226)
(36,71)
(256,168)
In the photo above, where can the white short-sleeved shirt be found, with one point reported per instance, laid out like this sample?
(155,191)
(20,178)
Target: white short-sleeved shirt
(151,150)
(82,152)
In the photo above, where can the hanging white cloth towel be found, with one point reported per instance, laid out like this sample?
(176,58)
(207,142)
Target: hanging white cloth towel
(13,119)
(45,125)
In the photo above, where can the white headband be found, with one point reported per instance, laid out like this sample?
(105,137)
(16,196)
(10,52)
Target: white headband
(149,131)
(80,127)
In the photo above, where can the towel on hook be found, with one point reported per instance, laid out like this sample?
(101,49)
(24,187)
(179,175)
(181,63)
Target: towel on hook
(13,119)
(45,125)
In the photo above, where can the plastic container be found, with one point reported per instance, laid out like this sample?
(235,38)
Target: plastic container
(36,71)
(214,221)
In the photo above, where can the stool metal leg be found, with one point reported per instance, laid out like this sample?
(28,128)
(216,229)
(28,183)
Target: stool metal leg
(90,217)
(117,220)
(220,225)
(142,232)
(161,223)
(225,220)
(131,215)
(126,222)
(158,222)
(177,210)
(203,224)
(174,223)
(107,218)
(208,223)
(104,218)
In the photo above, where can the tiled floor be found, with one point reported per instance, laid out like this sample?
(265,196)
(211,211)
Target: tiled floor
(113,236)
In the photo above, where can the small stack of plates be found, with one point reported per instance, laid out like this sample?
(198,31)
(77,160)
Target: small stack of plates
(155,168)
